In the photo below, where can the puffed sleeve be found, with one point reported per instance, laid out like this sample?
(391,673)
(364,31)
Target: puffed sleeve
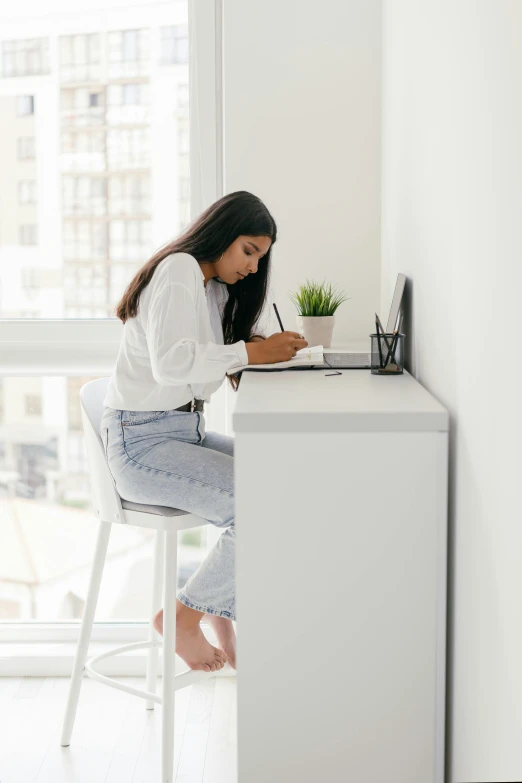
(177,357)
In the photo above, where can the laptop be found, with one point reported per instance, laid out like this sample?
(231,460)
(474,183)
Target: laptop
(352,360)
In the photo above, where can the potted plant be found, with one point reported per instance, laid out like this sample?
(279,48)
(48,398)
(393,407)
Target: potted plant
(316,304)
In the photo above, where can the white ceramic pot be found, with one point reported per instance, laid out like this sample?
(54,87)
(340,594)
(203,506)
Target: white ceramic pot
(317,330)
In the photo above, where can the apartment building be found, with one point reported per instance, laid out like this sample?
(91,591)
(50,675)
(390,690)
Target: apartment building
(94,117)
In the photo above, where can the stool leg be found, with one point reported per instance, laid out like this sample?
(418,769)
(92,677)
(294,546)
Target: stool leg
(82,649)
(169,653)
(157,582)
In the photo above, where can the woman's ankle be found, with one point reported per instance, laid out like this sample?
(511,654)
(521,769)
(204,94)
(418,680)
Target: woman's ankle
(187,617)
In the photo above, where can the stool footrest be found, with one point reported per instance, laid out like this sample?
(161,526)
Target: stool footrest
(181,680)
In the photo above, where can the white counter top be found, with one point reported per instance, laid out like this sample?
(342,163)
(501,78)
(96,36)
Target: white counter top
(356,401)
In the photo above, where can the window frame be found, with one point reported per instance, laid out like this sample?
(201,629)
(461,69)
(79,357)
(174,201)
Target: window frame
(32,52)
(23,144)
(89,346)
(24,102)
(27,192)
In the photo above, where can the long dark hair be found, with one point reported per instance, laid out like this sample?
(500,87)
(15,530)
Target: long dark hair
(234,215)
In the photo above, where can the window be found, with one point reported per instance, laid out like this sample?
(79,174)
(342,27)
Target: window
(120,277)
(83,150)
(174,44)
(36,279)
(85,195)
(184,203)
(80,58)
(25,105)
(76,283)
(130,194)
(129,148)
(25,148)
(28,57)
(128,104)
(119,149)
(130,240)
(74,416)
(28,234)
(128,94)
(84,239)
(82,106)
(183,96)
(184,189)
(85,293)
(27,191)
(129,45)
(77,460)
(129,53)
(183,138)
(33,405)
(49,526)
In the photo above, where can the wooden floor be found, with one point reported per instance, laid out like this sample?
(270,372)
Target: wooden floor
(115,740)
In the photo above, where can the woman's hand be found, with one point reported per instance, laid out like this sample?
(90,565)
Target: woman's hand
(278,348)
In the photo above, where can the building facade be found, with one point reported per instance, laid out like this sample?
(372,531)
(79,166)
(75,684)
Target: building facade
(94,122)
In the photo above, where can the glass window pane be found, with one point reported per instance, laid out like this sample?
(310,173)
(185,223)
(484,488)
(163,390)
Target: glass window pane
(115,100)
(25,57)
(48,526)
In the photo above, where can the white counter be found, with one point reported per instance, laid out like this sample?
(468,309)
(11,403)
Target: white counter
(341,498)
(313,401)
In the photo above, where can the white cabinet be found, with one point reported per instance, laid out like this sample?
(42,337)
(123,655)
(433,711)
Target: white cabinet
(341,497)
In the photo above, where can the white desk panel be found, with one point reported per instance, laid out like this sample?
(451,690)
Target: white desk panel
(313,401)
(341,582)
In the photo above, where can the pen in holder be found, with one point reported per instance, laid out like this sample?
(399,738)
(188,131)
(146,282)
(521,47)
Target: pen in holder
(387,353)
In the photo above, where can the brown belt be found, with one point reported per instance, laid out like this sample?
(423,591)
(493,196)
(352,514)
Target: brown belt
(193,405)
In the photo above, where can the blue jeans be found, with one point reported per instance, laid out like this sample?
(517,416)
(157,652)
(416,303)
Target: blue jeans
(164,458)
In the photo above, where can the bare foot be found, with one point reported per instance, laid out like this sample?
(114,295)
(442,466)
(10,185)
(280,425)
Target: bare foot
(191,644)
(226,636)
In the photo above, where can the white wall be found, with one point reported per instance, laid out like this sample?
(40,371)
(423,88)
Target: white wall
(452,206)
(302,132)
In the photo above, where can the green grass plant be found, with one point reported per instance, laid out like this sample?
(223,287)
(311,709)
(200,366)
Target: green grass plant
(317,299)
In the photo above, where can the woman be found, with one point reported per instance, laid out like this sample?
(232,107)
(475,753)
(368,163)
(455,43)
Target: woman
(190,316)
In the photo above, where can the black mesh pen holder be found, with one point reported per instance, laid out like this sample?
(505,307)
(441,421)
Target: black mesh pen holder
(387,354)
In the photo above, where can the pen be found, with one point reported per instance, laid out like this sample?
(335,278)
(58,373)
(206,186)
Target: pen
(388,345)
(394,345)
(378,339)
(278,318)
(391,352)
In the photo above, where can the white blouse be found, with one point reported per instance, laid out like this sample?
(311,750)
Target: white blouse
(173,349)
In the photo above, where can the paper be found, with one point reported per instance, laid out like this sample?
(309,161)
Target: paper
(306,356)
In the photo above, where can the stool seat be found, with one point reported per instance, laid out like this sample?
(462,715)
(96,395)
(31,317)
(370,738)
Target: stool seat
(162,511)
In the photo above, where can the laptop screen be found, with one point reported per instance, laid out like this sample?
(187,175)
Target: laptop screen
(396,303)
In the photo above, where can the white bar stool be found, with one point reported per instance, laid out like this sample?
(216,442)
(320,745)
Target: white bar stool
(167,522)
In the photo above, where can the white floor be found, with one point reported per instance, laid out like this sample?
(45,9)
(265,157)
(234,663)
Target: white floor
(115,740)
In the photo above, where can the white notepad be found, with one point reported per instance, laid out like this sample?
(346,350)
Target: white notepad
(305,357)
